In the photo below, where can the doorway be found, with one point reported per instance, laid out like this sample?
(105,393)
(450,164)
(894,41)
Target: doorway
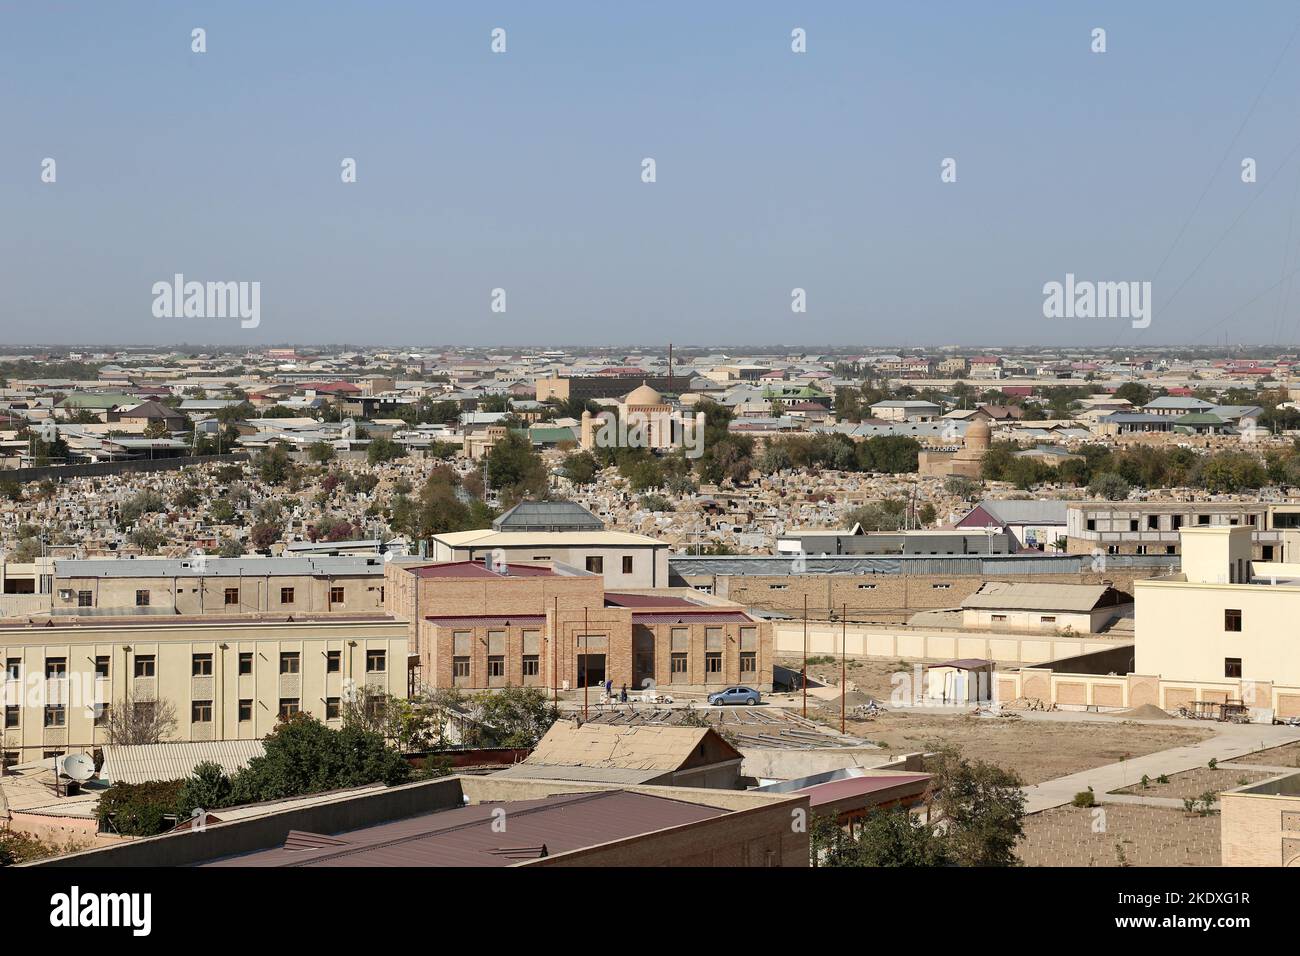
(591,670)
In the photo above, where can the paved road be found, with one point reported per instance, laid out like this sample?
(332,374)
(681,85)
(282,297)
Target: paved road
(1231,740)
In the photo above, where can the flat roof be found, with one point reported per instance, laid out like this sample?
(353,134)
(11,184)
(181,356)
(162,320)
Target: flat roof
(688,615)
(475,569)
(486,620)
(212,567)
(467,836)
(487,538)
(623,599)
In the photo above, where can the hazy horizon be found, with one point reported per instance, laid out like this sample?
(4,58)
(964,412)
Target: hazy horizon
(775,170)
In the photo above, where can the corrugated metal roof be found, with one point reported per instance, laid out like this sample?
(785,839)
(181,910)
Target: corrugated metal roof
(1018,511)
(466,836)
(218,567)
(1037,597)
(614,775)
(660,748)
(875,787)
(139,763)
(548,516)
(987,565)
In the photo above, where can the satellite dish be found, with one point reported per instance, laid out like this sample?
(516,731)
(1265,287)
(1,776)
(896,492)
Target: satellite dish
(78,767)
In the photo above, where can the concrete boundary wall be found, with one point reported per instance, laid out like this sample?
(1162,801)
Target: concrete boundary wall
(1124,691)
(900,643)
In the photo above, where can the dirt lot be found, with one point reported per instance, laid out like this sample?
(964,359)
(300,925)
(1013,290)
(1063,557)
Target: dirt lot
(1131,835)
(1288,755)
(1193,783)
(1037,750)
(872,677)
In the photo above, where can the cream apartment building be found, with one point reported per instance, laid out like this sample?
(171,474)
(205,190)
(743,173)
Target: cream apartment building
(1153,527)
(1221,630)
(625,560)
(206,585)
(226,679)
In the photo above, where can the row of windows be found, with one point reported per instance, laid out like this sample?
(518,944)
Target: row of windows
(596,565)
(1175,522)
(230,596)
(145,665)
(679,664)
(201,710)
(56,715)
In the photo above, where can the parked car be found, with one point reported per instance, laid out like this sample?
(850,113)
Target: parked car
(736,695)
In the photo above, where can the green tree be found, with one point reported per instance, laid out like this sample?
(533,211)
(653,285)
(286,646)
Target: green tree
(381,450)
(148,540)
(961,486)
(889,454)
(304,756)
(980,807)
(893,837)
(208,788)
(581,467)
(510,717)
(273,465)
(1230,471)
(515,469)
(1109,486)
(1135,393)
(320,452)
(886,515)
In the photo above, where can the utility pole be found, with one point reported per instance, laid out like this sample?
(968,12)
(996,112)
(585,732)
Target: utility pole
(844,683)
(804,679)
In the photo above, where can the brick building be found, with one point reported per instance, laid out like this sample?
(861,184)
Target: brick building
(553,626)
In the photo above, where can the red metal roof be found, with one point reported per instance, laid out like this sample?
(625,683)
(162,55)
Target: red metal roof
(621,599)
(466,836)
(833,791)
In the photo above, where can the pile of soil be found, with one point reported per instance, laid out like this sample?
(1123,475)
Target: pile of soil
(854,698)
(1145,712)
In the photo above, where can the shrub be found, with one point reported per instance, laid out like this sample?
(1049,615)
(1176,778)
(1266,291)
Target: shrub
(1085,798)
(138,809)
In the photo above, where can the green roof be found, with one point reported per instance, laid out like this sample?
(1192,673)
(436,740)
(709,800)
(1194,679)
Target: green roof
(551,433)
(97,400)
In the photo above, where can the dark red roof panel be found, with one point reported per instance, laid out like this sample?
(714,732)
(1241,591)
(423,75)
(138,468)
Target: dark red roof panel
(465,836)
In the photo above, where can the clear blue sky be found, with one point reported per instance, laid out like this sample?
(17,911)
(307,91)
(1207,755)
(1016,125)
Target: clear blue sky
(775,170)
